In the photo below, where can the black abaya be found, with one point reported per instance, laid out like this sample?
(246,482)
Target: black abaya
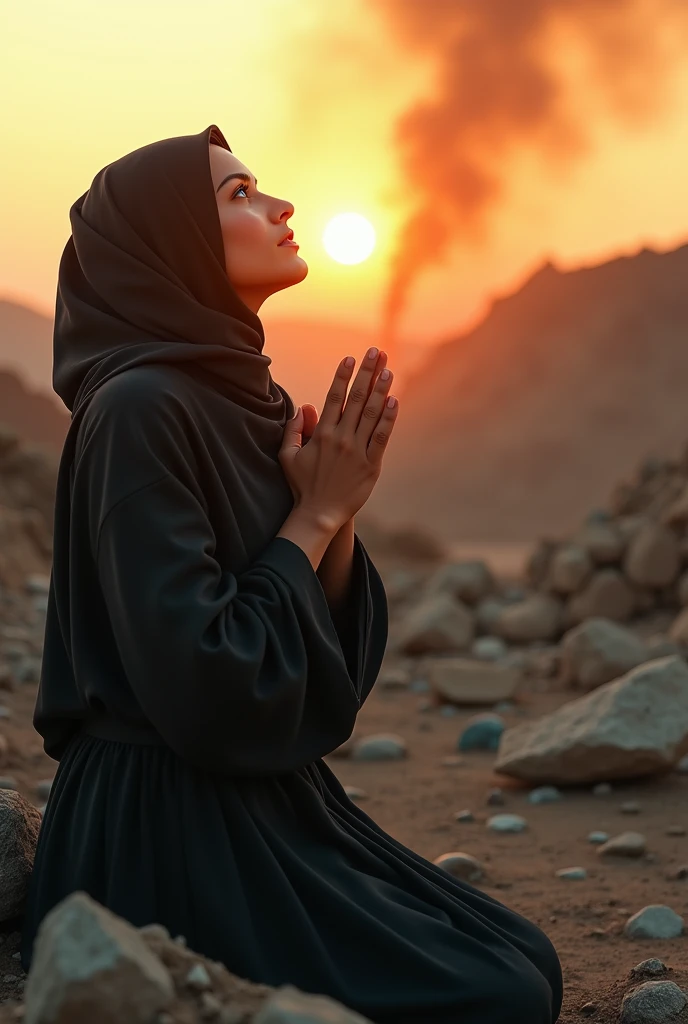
(194,676)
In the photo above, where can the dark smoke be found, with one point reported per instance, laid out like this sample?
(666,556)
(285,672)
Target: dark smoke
(503,84)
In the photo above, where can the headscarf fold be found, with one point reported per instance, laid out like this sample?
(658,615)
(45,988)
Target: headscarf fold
(142,279)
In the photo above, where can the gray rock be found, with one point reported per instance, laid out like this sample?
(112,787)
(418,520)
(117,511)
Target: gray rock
(288,1005)
(464,816)
(507,823)
(89,964)
(495,798)
(654,1002)
(355,794)
(380,747)
(653,558)
(570,568)
(469,581)
(654,922)
(489,648)
(20,824)
(198,978)
(601,789)
(651,966)
(598,838)
(630,807)
(438,623)
(8,782)
(483,732)
(606,595)
(572,874)
(460,865)
(538,617)
(396,678)
(470,681)
(544,795)
(599,650)
(634,726)
(604,542)
(626,844)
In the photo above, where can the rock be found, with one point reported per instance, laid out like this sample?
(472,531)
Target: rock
(43,788)
(198,978)
(89,964)
(382,746)
(464,816)
(682,766)
(470,681)
(461,865)
(8,782)
(654,922)
(659,646)
(597,838)
(653,558)
(495,798)
(469,581)
(626,844)
(601,789)
(654,1002)
(599,650)
(489,648)
(651,966)
(570,569)
(437,623)
(607,595)
(538,617)
(288,1005)
(675,830)
(394,679)
(572,874)
(20,824)
(355,794)
(507,823)
(634,726)
(482,732)
(544,795)
(630,807)
(679,629)
(604,542)
(487,613)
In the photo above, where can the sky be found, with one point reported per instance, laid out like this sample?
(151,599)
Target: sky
(479,138)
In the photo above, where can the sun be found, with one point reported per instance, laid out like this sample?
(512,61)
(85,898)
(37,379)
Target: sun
(349,238)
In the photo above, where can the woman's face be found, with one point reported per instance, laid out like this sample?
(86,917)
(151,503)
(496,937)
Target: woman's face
(253,224)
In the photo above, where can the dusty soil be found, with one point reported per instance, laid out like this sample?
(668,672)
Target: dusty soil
(415,801)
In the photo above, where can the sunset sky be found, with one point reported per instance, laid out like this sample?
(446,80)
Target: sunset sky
(310,95)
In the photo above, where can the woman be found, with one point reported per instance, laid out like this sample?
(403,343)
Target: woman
(215,624)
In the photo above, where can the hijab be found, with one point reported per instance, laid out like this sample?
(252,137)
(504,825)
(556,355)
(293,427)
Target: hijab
(142,279)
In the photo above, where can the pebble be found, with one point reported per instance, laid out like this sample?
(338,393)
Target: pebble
(601,789)
(682,766)
(544,795)
(676,830)
(507,823)
(489,648)
(505,707)
(572,874)
(654,922)
(495,798)
(630,807)
(394,679)
(461,865)
(198,978)
(587,1009)
(627,844)
(419,686)
(653,1002)
(452,761)
(354,793)
(380,747)
(483,732)
(448,710)
(678,874)
(598,837)
(464,816)
(651,966)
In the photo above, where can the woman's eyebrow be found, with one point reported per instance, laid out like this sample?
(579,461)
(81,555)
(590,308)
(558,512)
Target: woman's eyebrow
(236,174)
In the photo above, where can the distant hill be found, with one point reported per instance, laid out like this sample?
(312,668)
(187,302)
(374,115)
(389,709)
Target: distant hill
(34,415)
(519,426)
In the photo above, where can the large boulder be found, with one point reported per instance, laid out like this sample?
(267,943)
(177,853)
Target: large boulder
(20,823)
(599,650)
(634,726)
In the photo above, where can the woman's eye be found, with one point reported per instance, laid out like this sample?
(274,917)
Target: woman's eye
(242,188)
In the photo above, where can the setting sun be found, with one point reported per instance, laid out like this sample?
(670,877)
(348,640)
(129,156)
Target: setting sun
(349,238)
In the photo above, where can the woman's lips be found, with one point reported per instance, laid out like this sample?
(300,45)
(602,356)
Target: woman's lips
(289,241)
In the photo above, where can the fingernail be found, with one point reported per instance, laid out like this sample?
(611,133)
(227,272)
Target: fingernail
(384,374)
(349,361)
(372,353)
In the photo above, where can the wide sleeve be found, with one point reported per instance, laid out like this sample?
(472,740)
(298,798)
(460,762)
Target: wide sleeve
(240,673)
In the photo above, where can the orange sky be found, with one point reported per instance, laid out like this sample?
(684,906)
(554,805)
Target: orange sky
(308,95)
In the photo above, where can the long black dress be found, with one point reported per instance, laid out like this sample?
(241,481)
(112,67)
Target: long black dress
(204,653)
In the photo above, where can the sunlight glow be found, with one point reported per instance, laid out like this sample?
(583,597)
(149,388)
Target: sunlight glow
(349,238)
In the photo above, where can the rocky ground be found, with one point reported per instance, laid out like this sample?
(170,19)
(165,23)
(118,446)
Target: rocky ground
(558,699)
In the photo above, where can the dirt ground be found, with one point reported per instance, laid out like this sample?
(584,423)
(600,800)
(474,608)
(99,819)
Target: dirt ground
(415,800)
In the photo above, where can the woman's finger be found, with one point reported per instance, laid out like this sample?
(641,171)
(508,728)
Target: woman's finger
(334,399)
(382,431)
(361,388)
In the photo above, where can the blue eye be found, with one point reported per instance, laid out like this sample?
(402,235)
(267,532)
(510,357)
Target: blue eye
(242,188)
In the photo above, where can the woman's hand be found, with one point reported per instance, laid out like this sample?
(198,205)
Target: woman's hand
(337,469)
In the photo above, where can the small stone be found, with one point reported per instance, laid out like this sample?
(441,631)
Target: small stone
(676,830)
(198,978)
(355,794)
(544,795)
(630,807)
(572,874)
(158,931)
(464,816)
(654,1002)
(507,823)
(587,1009)
(654,922)
(601,789)
(461,865)
(448,711)
(627,844)
(483,732)
(394,679)
(452,761)
(495,798)
(419,686)
(679,874)
(598,838)
(180,940)
(489,648)
(380,747)
(651,966)
(682,766)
